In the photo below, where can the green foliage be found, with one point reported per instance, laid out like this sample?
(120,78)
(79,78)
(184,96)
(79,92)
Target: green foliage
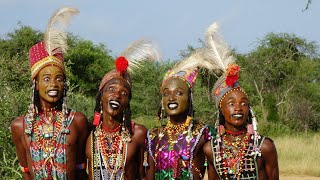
(146,84)
(281,77)
(88,63)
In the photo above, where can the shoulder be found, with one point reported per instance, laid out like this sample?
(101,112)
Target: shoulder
(207,149)
(17,123)
(79,119)
(139,131)
(268,147)
(16,126)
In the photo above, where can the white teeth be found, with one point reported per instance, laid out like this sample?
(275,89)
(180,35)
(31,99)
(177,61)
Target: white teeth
(172,106)
(53,93)
(237,115)
(115,102)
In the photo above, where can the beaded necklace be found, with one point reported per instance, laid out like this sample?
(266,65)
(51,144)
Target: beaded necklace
(233,153)
(111,152)
(47,134)
(178,162)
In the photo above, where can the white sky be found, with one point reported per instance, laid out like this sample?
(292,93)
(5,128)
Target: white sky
(173,24)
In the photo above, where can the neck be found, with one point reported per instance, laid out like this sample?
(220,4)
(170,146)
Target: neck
(111,122)
(178,119)
(47,107)
(234,130)
(238,133)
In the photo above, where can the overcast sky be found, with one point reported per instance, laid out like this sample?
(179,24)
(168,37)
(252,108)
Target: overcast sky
(173,24)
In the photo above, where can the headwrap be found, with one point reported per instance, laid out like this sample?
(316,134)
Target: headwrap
(117,73)
(226,82)
(39,58)
(50,50)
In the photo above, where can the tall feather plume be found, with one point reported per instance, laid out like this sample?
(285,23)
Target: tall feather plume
(219,50)
(139,51)
(200,58)
(55,38)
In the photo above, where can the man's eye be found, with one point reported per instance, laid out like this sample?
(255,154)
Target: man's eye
(46,79)
(179,93)
(243,104)
(111,89)
(165,94)
(59,79)
(230,104)
(123,93)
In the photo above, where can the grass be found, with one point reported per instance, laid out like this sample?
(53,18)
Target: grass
(299,154)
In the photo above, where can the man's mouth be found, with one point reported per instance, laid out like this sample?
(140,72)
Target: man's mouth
(114,104)
(172,106)
(52,93)
(237,116)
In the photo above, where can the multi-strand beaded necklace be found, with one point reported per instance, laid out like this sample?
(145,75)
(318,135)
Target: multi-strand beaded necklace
(233,152)
(47,131)
(111,152)
(175,155)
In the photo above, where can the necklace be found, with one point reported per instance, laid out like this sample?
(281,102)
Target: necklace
(113,149)
(174,160)
(233,154)
(46,138)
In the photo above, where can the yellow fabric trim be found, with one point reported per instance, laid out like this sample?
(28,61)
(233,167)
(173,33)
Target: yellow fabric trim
(44,62)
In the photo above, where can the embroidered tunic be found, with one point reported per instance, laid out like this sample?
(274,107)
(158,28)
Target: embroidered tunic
(249,169)
(175,160)
(49,156)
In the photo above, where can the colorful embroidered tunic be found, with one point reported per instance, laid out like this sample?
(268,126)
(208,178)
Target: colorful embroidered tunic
(174,160)
(249,168)
(48,153)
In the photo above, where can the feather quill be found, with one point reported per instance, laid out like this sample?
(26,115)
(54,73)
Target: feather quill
(55,38)
(139,51)
(221,55)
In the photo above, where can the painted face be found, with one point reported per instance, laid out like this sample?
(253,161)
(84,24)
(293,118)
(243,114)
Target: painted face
(235,109)
(115,97)
(50,84)
(175,96)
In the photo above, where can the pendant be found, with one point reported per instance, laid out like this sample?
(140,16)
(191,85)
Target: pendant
(47,130)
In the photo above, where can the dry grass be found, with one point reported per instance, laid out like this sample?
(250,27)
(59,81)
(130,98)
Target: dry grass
(299,155)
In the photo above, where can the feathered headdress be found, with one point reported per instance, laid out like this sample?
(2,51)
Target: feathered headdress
(51,49)
(131,58)
(49,52)
(223,61)
(187,69)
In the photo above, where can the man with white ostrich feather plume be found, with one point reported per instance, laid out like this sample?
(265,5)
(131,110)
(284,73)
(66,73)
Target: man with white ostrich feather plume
(238,151)
(115,147)
(50,139)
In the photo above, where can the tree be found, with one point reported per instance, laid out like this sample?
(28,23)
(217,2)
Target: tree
(88,63)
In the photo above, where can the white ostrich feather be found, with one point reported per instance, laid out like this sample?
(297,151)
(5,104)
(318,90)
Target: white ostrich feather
(139,51)
(220,52)
(198,59)
(55,38)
